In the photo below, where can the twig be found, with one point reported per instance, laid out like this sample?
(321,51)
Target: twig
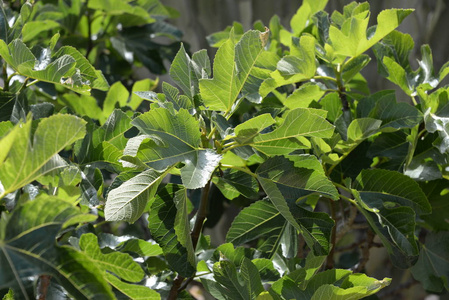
(42,288)
(348,223)
(365,251)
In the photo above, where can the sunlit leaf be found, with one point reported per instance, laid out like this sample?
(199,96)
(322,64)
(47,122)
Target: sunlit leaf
(36,155)
(128,201)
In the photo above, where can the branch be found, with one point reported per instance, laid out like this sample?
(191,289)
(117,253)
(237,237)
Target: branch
(365,251)
(195,235)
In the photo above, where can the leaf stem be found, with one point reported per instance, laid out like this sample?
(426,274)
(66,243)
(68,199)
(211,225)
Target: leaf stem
(32,82)
(330,257)
(325,78)
(211,133)
(341,88)
(24,85)
(5,77)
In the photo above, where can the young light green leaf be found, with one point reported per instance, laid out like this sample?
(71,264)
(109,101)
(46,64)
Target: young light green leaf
(35,156)
(128,201)
(297,67)
(33,28)
(302,16)
(169,226)
(116,94)
(141,247)
(354,287)
(351,39)
(121,264)
(28,248)
(298,122)
(304,95)
(137,14)
(232,66)
(133,291)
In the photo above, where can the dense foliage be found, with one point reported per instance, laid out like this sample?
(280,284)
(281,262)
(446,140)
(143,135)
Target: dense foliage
(105,185)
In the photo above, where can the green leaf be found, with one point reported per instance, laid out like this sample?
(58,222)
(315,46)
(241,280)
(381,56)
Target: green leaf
(169,226)
(304,96)
(9,295)
(362,128)
(35,156)
(116,94)
(187,72)
(440,125)
(298,122)
(389,200)
(381,188)
(141,247)
(395,226)
(284,183)
(354,66)
(28,248)
(245,284)
(232,67)
(260,220)
(133,15)
(104,146)
(121,264)
(246,131)
(433,263)
(67,67)
(354,287)
(83,105)
(398,45)
(436,191)
(33,28)
(133,291)
(234,183)
(351,39)
(175,138)
(395,115)
(297,67)
(128,201)
(300,19)
(140,85)
(397,75)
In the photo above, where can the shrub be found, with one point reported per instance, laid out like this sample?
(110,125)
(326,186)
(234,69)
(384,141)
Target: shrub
(104,198)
